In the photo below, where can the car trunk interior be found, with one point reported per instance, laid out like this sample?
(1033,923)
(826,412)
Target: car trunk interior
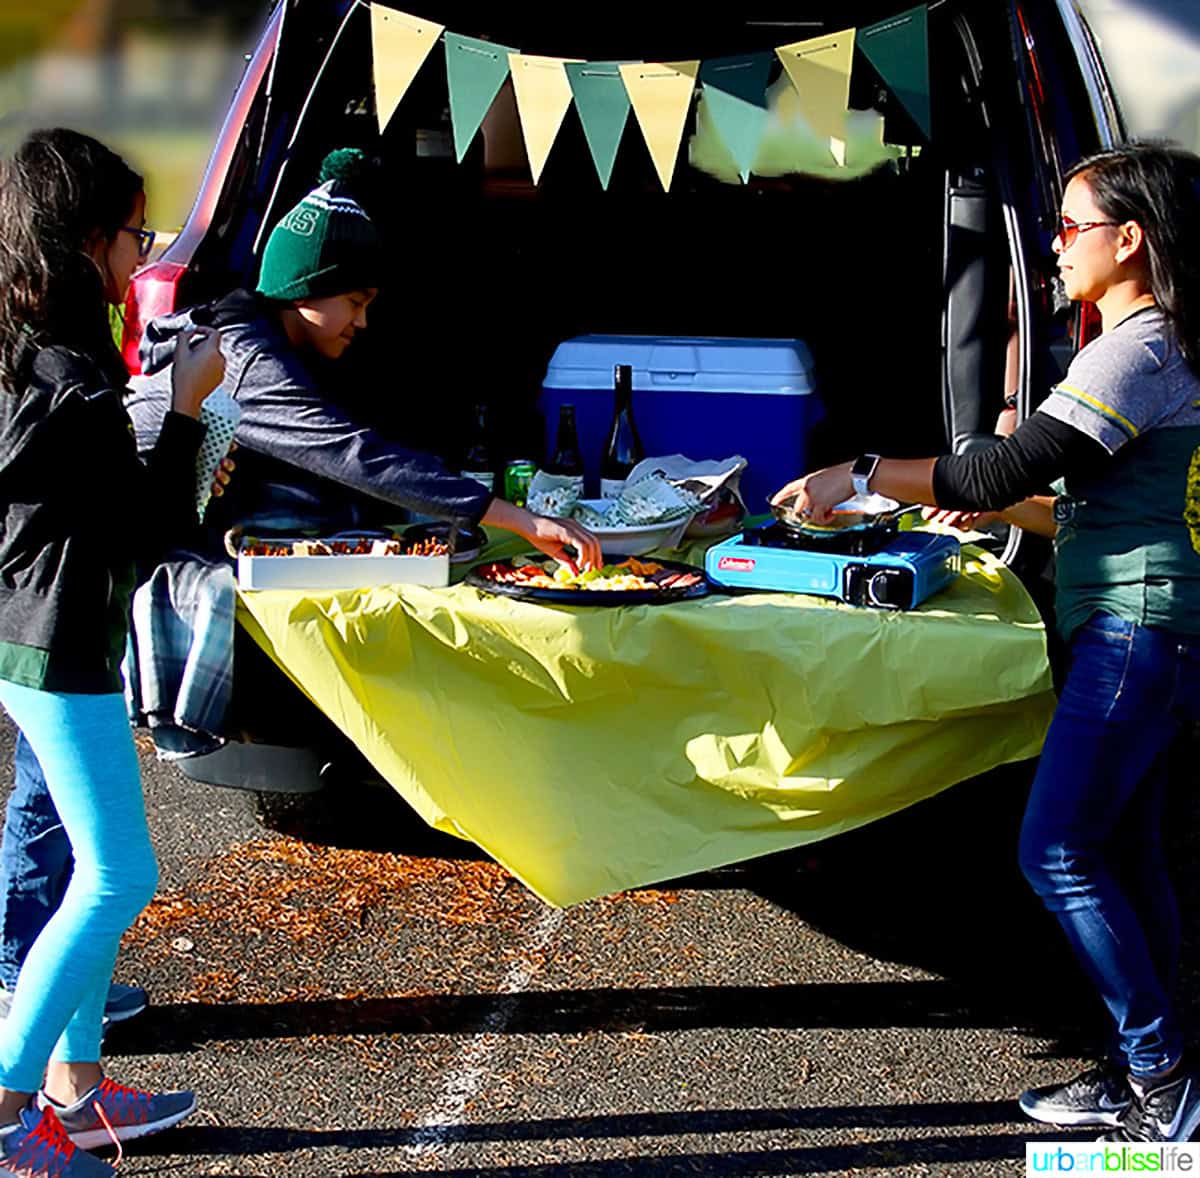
(906,318)
(488,272)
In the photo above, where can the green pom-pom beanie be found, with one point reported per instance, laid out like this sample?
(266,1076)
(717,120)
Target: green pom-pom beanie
(327,244)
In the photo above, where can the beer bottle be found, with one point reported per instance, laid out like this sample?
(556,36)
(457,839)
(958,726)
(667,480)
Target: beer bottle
(624,449)
(479,462)
(568,460)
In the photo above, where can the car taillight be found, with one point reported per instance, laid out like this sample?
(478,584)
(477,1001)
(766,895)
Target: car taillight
(153,291)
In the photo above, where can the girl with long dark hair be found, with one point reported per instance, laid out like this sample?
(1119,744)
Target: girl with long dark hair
(1122,433)
(77,506)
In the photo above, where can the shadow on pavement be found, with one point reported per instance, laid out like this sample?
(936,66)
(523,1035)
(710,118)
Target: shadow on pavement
(838,1159)
(835,1159)
(937,886)
(851,1005)
(237,1141)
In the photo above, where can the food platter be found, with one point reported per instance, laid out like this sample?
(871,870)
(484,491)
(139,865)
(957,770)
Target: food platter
(631,581)
(346,561)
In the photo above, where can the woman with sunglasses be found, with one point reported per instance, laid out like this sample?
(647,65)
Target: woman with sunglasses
(78,506)
(1120,439)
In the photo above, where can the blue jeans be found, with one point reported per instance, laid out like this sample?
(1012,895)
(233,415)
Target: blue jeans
(35,862)
(1091,842)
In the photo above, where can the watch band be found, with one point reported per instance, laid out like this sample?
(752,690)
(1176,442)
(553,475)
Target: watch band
(861,472)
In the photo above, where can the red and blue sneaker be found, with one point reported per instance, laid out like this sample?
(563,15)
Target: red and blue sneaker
(111,1113)
(40,1148)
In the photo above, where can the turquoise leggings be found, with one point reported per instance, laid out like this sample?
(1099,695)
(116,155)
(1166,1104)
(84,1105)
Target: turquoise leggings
(86,752)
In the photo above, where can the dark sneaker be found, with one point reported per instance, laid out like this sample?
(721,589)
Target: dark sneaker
(1170,1111)
(1099,1096)
(38,1148)
(123,1002)
(112,1113)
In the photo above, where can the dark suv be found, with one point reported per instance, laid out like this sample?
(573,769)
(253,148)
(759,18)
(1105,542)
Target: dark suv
(901,282)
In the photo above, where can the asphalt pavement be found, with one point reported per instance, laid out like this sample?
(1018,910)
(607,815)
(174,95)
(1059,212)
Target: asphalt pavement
(352,994)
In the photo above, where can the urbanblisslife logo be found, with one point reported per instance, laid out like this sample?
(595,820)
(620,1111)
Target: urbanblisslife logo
(1072,1157)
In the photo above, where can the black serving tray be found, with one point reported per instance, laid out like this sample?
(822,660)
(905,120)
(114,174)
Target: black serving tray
(608,597)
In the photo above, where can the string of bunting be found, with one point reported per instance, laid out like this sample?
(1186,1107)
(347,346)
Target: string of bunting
(737,105)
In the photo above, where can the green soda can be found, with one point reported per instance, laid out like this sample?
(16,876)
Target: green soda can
(518,474)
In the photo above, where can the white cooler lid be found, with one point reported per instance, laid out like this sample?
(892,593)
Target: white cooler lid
(712,364)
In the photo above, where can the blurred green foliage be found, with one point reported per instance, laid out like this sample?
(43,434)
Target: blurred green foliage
(28,26)
(167,140)
(26,30)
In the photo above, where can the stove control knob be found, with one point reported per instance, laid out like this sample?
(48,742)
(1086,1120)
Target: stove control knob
(882,588)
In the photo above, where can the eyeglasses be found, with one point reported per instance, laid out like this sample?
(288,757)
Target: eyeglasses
(1068,230)
(145,239)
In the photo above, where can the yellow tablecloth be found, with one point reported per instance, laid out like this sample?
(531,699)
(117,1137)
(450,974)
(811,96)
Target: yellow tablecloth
(591,750)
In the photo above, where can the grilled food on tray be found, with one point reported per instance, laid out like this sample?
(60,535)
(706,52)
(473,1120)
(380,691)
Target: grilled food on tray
(631,574)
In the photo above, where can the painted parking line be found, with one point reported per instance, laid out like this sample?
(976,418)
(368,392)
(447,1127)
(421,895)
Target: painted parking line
(468,1072)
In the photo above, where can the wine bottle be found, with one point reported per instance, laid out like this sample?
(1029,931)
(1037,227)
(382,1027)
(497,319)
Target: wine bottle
(479,463)
(624,449)
(568,460)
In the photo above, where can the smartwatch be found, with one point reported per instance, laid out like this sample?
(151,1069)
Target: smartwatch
(861,472)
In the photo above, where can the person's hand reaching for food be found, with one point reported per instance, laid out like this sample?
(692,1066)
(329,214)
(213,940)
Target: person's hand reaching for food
(563,539)
(554,536)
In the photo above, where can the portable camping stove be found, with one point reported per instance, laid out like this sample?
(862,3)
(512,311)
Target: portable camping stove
(873,565)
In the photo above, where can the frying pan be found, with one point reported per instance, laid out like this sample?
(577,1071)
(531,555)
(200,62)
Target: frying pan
(862,513)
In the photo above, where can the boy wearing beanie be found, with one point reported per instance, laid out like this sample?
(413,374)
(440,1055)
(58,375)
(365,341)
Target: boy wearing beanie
(327,244)
(321,269)
(304,460)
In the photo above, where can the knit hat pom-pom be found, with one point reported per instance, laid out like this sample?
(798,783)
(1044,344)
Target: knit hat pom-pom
(346,164)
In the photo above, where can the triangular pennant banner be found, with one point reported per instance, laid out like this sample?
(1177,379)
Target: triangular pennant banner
(735,97)
(819,69)
(543,95)
(899,50)
(789,146)
(661,94)
(603,105)
(475,71)
(399,46)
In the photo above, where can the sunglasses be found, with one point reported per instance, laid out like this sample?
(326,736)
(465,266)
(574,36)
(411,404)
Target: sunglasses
(1068,230)
(145,239)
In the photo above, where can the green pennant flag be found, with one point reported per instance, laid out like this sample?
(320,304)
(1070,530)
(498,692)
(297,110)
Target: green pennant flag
(475,71)
(603,105)
(898,48)
(735,93)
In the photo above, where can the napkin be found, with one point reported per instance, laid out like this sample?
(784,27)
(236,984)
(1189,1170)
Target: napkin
(220,415)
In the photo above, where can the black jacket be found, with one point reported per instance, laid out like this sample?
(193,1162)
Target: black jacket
(77,506)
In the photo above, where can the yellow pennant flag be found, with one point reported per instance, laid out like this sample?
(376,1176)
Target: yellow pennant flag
(661,94)
(819,69)
(400,44)
(544,94)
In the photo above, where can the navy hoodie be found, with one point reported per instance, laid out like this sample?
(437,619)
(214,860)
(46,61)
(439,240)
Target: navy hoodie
(296,446)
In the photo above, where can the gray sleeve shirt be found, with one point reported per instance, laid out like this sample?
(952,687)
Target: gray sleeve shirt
(1129,380)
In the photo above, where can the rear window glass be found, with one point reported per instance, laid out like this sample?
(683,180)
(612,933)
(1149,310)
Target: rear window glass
(1151,51)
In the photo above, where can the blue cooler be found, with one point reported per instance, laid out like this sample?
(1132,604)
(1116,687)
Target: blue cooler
(701,397)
